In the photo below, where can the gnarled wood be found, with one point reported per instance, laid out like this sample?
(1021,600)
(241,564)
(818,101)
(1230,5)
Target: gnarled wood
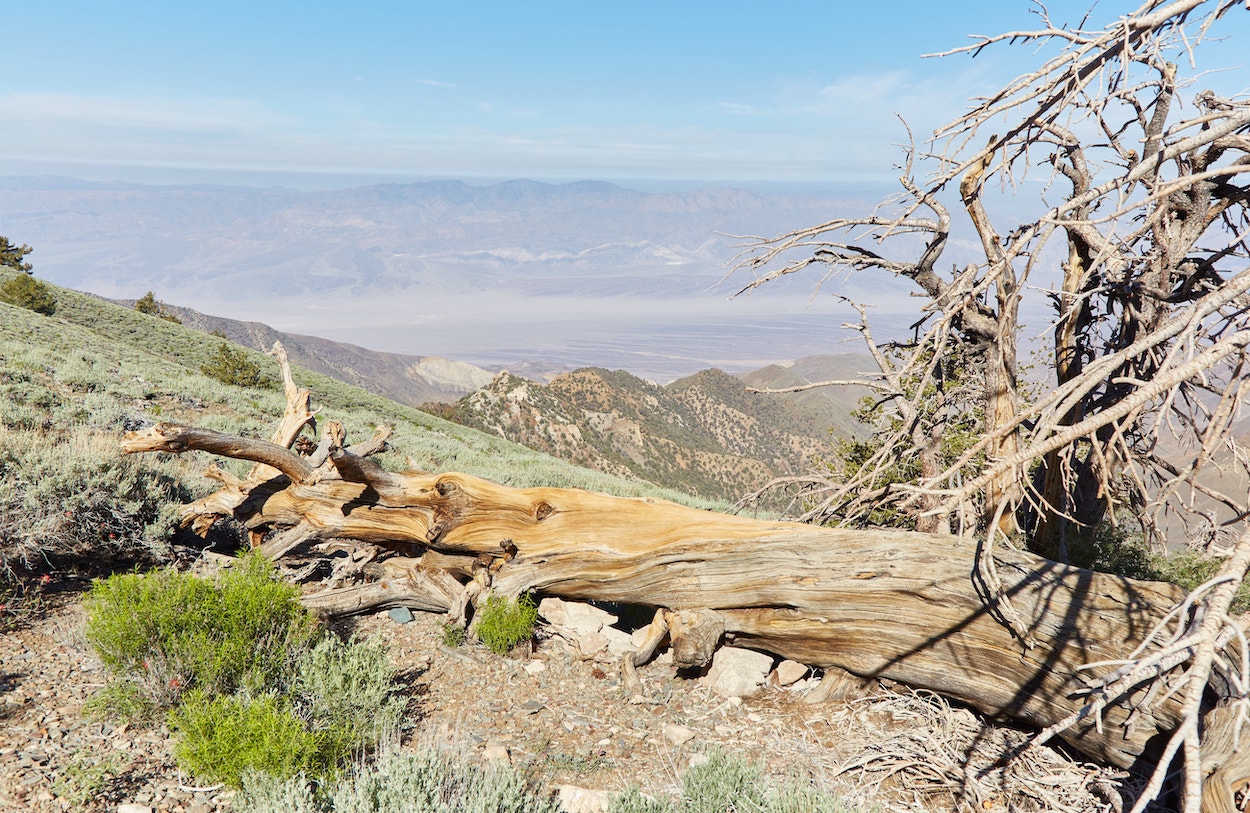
(897,605)
(906,606)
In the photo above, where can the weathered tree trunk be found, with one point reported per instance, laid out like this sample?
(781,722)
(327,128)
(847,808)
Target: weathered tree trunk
(888,604)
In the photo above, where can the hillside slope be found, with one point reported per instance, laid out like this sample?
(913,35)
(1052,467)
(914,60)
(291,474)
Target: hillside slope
(833,405)
(410,380)
(706,433)
(95,367)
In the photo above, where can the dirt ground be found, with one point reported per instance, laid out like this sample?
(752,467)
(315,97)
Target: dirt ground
(563,719)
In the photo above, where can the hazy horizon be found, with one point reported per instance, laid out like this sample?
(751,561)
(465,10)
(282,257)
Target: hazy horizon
(805,98)
(803,92)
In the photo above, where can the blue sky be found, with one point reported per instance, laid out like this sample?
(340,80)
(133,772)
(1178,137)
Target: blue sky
(679,91)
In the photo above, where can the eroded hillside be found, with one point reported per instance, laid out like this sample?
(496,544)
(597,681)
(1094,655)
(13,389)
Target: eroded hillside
(707,434)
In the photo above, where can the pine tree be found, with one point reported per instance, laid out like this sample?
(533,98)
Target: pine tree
(12,256)
(25,291)
(148,304)
(232,366)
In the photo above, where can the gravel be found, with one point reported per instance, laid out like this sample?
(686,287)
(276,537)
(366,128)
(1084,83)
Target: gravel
(563,719)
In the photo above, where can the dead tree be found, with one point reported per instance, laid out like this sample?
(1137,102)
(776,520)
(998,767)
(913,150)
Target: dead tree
(1138,243)
(1098,662)
(1149,287)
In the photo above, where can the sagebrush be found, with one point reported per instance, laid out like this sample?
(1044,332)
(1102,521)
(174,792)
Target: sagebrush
(249,681)
(426,780)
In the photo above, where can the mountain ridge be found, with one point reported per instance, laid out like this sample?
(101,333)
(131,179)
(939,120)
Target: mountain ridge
(706,433)
(407,379)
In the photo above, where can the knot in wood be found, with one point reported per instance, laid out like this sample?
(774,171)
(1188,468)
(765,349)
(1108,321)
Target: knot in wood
(543,511)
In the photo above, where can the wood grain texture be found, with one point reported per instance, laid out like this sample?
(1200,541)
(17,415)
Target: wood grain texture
(879,604)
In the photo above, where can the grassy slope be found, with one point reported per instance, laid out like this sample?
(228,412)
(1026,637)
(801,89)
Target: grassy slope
(168,356)
(70,383)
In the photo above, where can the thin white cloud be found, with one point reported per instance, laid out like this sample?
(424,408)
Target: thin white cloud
(738,109)
(854,92)
(792,143)
(189,115)
(434,83)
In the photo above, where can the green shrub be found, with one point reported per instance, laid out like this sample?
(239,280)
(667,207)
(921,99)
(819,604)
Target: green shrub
(723,783)
(70,502)
(633,801)
(218,739)
(1189,568)
(452,635)
(425,781)
(1111,549)
(169,632)
(120,700)
(25,291)
(300,704)
(83,777)
(502,624)
(348,687)
(231,365)
(147,304)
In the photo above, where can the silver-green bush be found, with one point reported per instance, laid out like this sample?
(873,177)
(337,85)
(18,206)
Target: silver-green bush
(400,782)
(348,686)
(729,784)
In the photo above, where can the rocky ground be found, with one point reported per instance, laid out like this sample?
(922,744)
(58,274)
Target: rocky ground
(553,712)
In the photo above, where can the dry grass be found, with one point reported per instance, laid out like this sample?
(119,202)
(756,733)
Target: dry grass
(920,752)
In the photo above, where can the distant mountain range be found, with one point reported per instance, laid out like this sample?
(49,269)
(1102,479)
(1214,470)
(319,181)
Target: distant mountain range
(544,280)
(514,273)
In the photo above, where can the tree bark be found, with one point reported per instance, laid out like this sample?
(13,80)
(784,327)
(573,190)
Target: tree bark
(879,604)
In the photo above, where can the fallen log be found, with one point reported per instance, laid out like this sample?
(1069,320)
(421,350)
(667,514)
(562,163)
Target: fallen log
(906,606)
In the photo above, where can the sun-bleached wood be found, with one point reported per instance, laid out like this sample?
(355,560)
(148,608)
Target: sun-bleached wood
(907,606)
(889,604)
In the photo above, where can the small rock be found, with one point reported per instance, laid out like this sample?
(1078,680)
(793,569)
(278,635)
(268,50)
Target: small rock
(131,807)
(789,672)
(697,759)
(575,617)
(678,734)
(619,642)
(400,615)
(534,667)
(496,752)
(738,672)
(591,644)
(573,799)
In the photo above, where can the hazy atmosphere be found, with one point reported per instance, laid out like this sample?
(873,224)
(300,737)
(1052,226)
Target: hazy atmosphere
(803,101)
(802,92)
(683,407)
